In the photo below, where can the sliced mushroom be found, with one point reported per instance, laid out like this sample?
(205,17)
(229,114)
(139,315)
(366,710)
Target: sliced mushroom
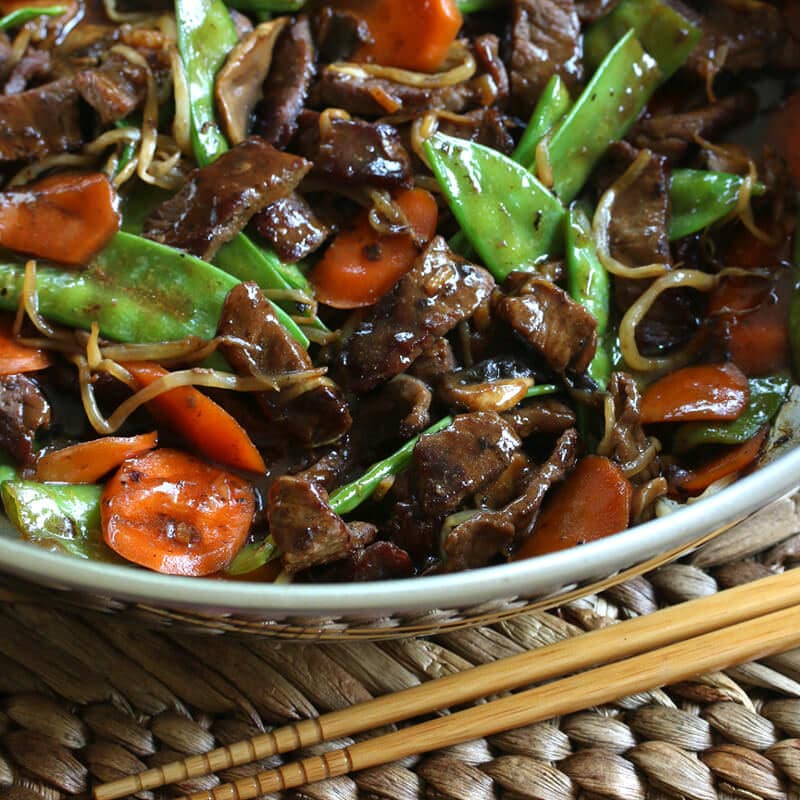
(492,385)
(238,86)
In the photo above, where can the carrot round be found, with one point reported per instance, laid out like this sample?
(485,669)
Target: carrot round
(66,217)
(360,265)
(16,357)
(594,501)
(87,462)
(172,513)
(200,421)
(734,459)
(703,392)
(409,36)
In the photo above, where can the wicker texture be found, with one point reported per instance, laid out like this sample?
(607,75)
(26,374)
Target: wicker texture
(88,697)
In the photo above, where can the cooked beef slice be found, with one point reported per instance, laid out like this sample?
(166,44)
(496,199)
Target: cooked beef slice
(456,462)
(40,122)
(546,416)
(23,411)
(217,201)
(478,540)
(261,345)
(439,291)
(339,33)
(33,66)
(114,89)
(291,227)
(560,329)
(287,84)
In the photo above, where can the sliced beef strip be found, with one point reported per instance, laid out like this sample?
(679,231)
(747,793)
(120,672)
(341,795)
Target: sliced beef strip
(23,411)
(487,54)
(627,440)
(439,291)
(435,361)
(114,89)
(329,469)
(33,66)
(40,122)
(639,228)
(305,527)
(462,459)
(315,417)
(339,33)
(287,84)
(353,152)
(486,126)
(217,201)
(561,330)
(545,41)
(671,135)
(291,227)
(475,542)
(378,561)
(545,416)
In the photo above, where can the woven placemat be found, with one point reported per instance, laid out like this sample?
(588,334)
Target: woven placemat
(88,698)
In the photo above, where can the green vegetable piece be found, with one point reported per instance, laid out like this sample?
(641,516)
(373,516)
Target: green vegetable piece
(699,198)
(252,556)
(510,219)
(590,284)
(267,5)
(23,15)
(471,6)
(766,398)
(663,32)
(348,497)
(58,516)
(606,109)
(206,35)
(137,291)
(553,104)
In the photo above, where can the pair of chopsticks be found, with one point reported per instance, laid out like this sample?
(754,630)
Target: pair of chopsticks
(731,627)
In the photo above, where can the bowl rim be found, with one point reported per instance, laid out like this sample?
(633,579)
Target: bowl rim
(456,590)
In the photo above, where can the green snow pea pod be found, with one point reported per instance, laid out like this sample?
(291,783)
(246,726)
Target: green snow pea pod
(766,398)
(663,32)
(471,6)
(22,15)
(590,284)
(252,556)
(605,110)
(511,220)
(699,198)
(553,104)
(58,516)
(136,290)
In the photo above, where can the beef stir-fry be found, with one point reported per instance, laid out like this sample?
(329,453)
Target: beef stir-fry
(374,288)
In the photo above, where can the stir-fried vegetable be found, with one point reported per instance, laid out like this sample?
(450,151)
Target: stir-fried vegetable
(22,15)
(550,110)
(16,358)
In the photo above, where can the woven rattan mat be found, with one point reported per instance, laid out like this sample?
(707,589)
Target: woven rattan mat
(87,698)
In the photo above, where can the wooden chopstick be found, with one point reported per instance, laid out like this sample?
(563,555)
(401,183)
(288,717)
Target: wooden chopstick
(620,641)
(755,638)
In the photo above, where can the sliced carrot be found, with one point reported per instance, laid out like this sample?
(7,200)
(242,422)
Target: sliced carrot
(751,318)
(170,512)
(15,357)
(734,459)
(784,133)
(66,217)
(703,392)
(87,462)
(594,501)
(200,421)
(360,265)
(409,36)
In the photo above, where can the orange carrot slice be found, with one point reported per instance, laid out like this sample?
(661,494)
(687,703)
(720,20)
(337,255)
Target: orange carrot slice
(200,421)
(16,357)
(594,501)
(360,265)
(172,513)
(66,217)
(87,462)
(703,392)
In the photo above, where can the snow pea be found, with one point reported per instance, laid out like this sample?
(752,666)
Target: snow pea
(699,198)
(58,516)
(22,15)
(471,6)
(605,110)
(663,32)
(589,283)
(766,398)
(553,104)
(136,289)
(509,217)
